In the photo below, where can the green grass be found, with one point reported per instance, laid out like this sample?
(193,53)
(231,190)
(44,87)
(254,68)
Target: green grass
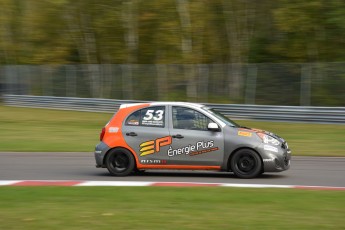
(169,208)
(24,129)
(306,139)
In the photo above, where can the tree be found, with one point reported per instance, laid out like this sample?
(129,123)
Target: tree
(239,18)
(309,30)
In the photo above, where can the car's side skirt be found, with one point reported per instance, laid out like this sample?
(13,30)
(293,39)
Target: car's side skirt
(183,167)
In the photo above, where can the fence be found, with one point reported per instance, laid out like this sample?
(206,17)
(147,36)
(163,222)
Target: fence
(259,112)
(305,84)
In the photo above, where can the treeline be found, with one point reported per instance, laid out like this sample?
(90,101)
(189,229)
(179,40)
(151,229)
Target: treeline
(171,31)
(287,52)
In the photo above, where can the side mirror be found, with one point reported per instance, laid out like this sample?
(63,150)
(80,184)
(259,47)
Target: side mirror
(213,127)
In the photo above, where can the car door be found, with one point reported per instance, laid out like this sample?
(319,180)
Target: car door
(192,142)
(146,132)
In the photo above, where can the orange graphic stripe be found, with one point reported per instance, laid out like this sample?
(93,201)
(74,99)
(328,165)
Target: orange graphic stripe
(184,167)
(117,139)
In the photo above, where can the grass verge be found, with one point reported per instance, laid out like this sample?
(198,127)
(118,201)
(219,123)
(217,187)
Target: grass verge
(169,208)
(25,129)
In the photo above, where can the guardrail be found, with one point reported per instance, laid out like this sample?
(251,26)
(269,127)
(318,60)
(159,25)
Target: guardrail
(235,111)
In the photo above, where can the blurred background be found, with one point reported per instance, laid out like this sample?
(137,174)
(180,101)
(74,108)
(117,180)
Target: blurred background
(282,52)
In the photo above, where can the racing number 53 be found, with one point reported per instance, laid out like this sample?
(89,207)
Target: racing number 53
(156,115)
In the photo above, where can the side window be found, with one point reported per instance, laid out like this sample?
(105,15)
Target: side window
(152,117)
(186,118)
(134,118)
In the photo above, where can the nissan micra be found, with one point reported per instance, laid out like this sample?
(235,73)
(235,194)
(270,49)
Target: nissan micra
(188,136)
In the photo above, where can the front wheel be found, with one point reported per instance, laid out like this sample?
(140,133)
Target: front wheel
(246,163)
(120,162)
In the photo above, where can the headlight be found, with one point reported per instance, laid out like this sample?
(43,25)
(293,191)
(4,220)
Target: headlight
(267,139)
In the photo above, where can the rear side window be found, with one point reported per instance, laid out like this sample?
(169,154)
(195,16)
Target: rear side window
(151,117)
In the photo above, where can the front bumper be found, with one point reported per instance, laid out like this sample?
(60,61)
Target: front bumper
(100,151)
(276,159)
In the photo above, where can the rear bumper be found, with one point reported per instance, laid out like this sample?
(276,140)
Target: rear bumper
(100,150)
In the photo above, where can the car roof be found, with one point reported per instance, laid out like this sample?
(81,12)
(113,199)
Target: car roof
(189,104)
(174,103)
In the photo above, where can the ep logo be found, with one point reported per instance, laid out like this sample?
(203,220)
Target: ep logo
(150,147)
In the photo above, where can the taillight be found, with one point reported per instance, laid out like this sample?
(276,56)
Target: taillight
(101,135)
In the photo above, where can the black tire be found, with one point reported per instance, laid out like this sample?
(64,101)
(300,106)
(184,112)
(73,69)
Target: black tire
(246,164)
(120,162)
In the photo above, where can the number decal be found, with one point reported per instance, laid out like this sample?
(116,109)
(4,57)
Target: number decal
(148,115)
(153,117)
(159,115)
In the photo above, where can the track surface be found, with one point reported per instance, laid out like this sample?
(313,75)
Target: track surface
(308,171)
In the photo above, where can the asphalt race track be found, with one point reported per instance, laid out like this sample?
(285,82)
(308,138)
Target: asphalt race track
(305,171)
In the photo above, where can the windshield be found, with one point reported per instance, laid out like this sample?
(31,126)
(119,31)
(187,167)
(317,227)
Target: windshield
(221,117)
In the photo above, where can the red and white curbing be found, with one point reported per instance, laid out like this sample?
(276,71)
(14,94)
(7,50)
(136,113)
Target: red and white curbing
(159,184)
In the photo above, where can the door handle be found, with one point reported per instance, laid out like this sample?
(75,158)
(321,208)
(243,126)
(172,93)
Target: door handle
(132,134)
(178,136)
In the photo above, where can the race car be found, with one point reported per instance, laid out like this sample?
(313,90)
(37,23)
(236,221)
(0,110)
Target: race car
(187,136)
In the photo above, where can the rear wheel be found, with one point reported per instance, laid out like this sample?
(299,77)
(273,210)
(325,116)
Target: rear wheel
(246,163)
(120,162)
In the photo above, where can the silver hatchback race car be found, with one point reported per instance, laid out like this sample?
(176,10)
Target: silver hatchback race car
(177,135)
